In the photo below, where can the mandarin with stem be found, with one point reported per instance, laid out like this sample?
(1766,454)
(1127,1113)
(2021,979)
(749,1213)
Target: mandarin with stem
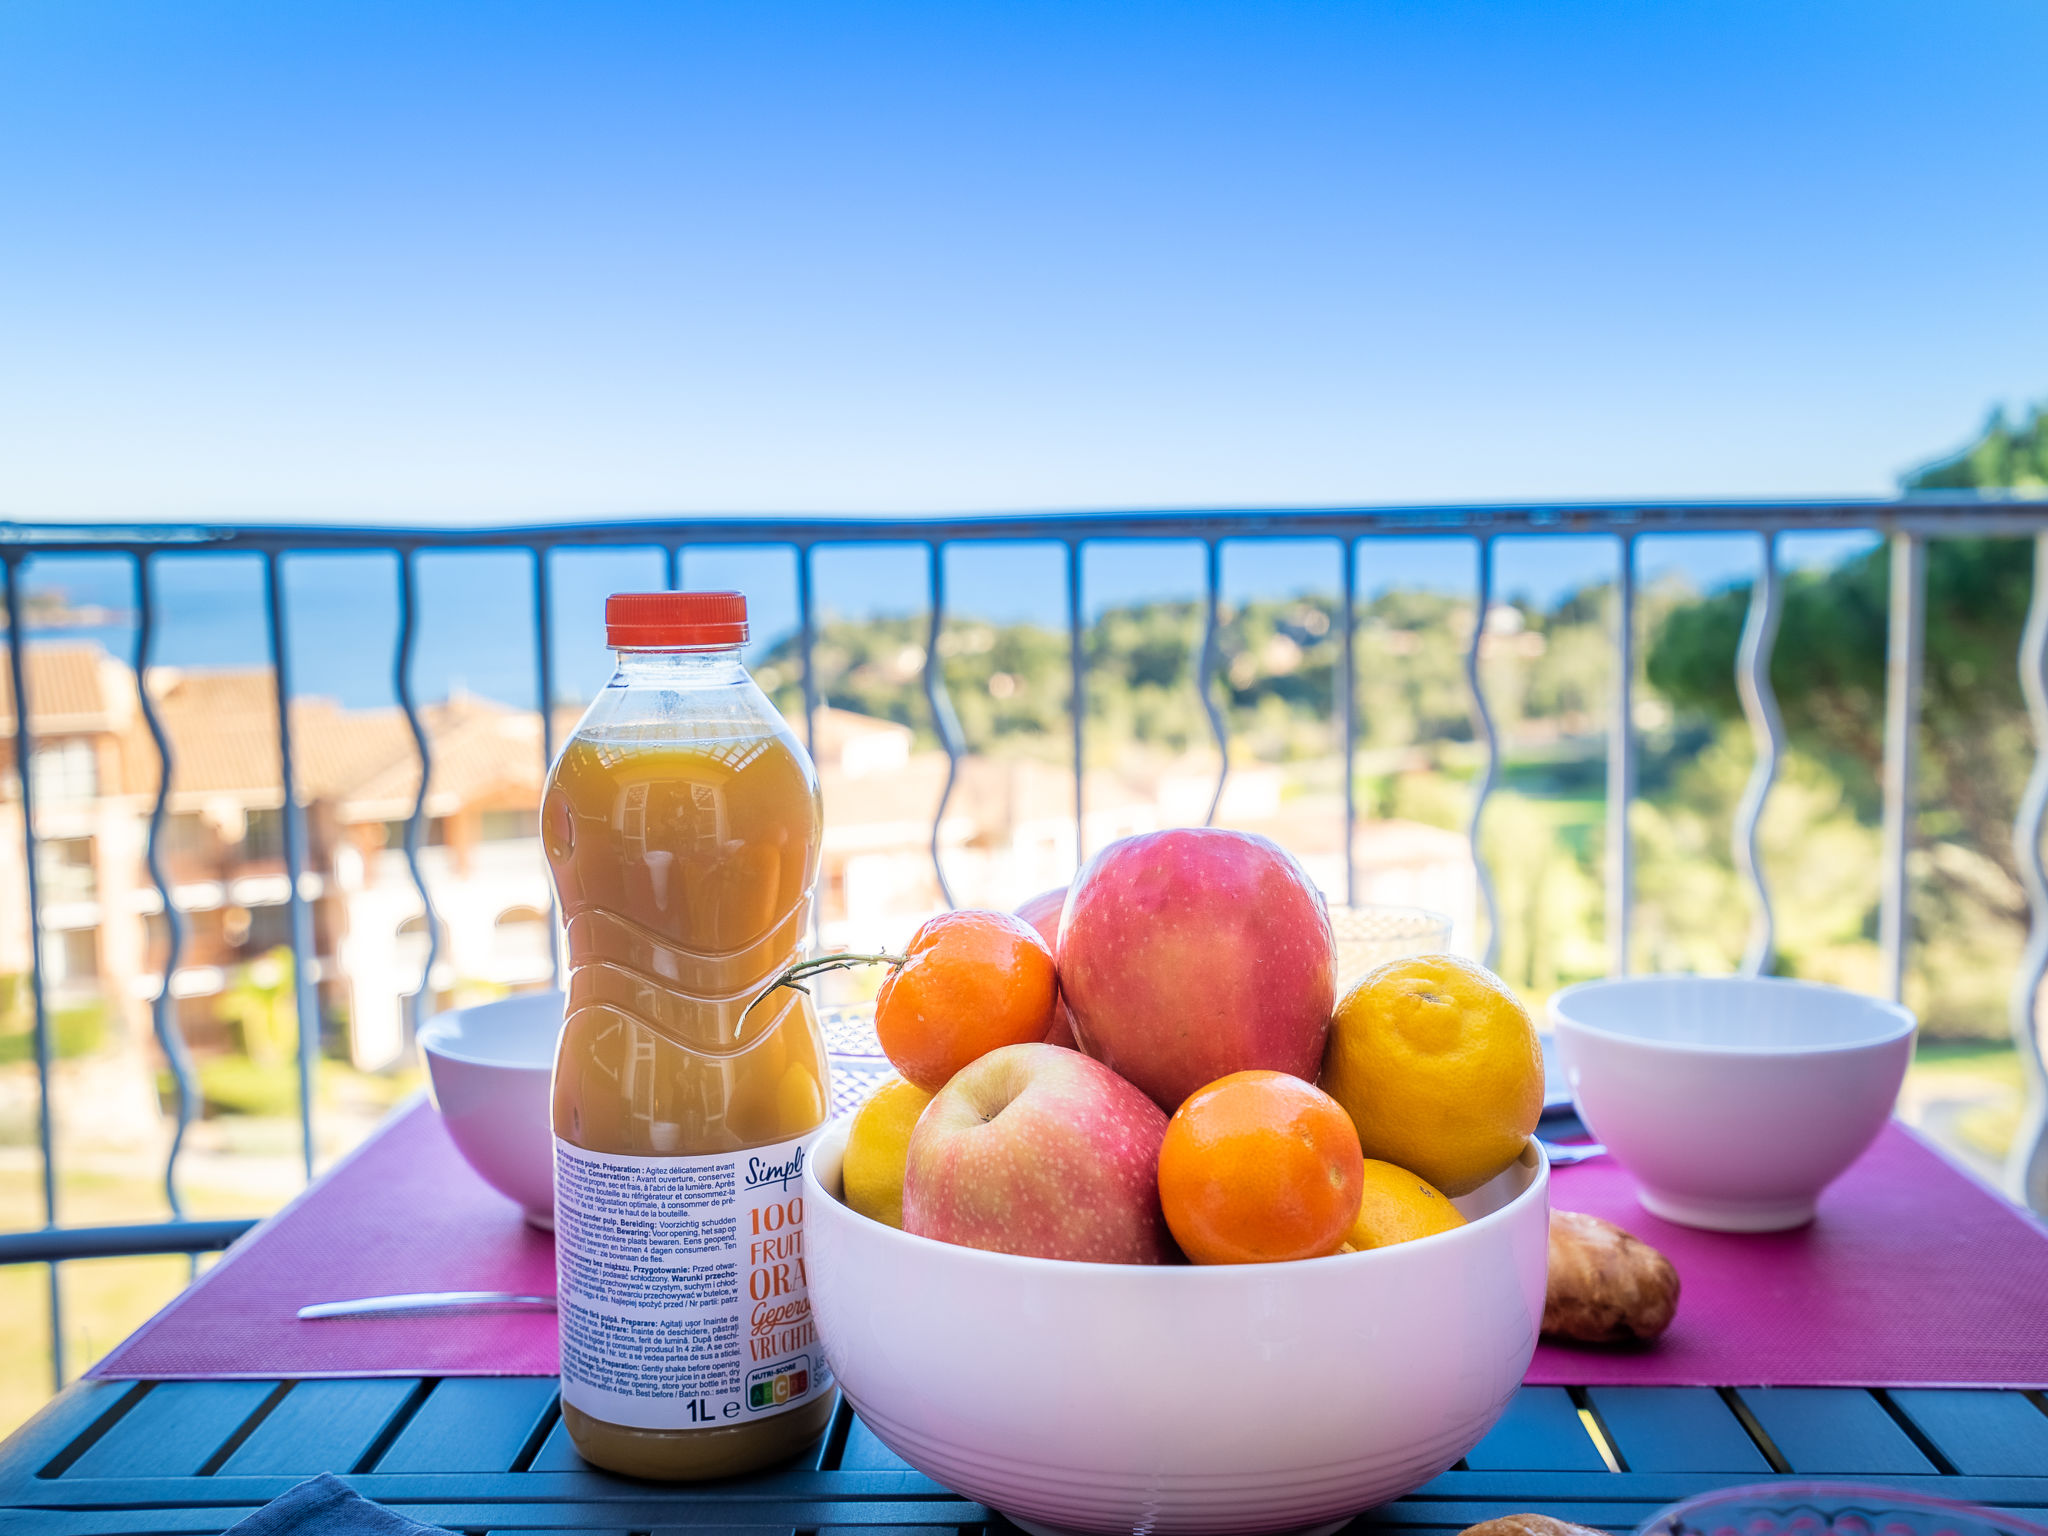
(970,983)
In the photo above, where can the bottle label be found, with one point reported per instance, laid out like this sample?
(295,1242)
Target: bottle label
(681,1286)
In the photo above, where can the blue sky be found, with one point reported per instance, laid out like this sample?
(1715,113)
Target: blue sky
(508,261)
(493,262)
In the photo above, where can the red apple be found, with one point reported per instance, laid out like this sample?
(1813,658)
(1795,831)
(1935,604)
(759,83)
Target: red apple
(1043,913)
(1040,1151)
(1191,954)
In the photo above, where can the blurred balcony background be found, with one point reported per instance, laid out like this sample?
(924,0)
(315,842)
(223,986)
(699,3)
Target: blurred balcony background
(1613,768)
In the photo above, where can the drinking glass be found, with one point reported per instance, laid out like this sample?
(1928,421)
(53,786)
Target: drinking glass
(1371,935)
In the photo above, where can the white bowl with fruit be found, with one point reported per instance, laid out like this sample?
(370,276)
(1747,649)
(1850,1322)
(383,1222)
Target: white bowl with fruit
(1163,1281)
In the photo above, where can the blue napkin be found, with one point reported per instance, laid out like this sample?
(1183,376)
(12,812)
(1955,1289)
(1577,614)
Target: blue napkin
(326,1506)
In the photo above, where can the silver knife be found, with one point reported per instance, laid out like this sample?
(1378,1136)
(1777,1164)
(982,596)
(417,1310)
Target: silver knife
(1564,1154)
(423,1301)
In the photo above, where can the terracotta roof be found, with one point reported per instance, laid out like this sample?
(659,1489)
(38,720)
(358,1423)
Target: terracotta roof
(480,750)
(69,689)
(223,731)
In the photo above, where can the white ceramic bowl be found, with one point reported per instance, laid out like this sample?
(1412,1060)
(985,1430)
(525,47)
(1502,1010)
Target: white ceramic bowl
(1733,1100)
(488,1071)
(1240,1398)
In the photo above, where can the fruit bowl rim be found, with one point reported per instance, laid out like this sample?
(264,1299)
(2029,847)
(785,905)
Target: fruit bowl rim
(833,1138)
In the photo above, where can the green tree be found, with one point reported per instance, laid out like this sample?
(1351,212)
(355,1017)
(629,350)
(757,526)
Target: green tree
(2002,457)
(1828,670)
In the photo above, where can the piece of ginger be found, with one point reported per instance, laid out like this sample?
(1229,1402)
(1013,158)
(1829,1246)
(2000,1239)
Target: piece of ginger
(1605,1286)
(1529,1525)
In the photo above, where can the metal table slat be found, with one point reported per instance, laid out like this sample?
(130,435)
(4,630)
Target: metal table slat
(1835,1431)
(471,1424)
(1675,1429)
(864,1453)
(557,1453)
(1983,1434)
(319,1426)
(174,1430)
(124,1522)
(58,1424)
(850,1483)
(1541,1430)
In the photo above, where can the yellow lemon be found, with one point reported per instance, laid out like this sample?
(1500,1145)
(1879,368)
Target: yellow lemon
(1438,1064)
(877,1147)
(1398,1207)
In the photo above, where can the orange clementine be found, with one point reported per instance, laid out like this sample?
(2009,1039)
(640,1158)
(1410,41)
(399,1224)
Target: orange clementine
(971,983)
(1259,1167)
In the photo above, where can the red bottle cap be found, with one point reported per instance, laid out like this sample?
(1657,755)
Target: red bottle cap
(674,621)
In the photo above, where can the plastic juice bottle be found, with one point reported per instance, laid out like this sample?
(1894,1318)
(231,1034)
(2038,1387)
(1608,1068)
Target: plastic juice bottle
(681,823)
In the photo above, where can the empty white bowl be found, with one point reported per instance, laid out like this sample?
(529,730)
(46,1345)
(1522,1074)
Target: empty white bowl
(488,1070)
(1241,1398)
(1733,1100)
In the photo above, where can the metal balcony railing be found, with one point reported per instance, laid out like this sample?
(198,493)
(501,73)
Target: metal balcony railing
(1907,524)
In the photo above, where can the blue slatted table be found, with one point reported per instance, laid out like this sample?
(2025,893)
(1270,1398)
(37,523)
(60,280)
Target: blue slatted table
(490,1455)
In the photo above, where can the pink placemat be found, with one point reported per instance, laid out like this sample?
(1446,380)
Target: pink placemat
(404,1213)
(1912,1275)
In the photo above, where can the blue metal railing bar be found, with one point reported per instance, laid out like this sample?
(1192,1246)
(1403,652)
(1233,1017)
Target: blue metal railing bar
(1205,684)
(305,985)
(163,1008)
(64,1243)
(1942,514)
(1347,713)
(807,646)
(1623,758)
(1077,662)
(1904,639)
(807,643)
(2027,1168)
(1767,732)
(544,685)
(1621,761)
(944,721)
(46,1112)
(408,632)
(1482,728)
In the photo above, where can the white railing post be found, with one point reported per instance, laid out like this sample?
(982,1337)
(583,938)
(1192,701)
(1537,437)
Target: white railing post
(1767,731)
(1902,666)
(2026,1168)
(1621,762)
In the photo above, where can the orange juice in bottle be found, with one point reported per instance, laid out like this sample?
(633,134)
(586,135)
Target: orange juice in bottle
(681,823)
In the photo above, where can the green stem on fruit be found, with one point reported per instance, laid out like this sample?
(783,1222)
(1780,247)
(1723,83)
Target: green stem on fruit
(793,977)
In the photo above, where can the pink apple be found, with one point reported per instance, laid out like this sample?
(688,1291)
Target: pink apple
(1188,955)
(1041,1151)
(1043,913)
